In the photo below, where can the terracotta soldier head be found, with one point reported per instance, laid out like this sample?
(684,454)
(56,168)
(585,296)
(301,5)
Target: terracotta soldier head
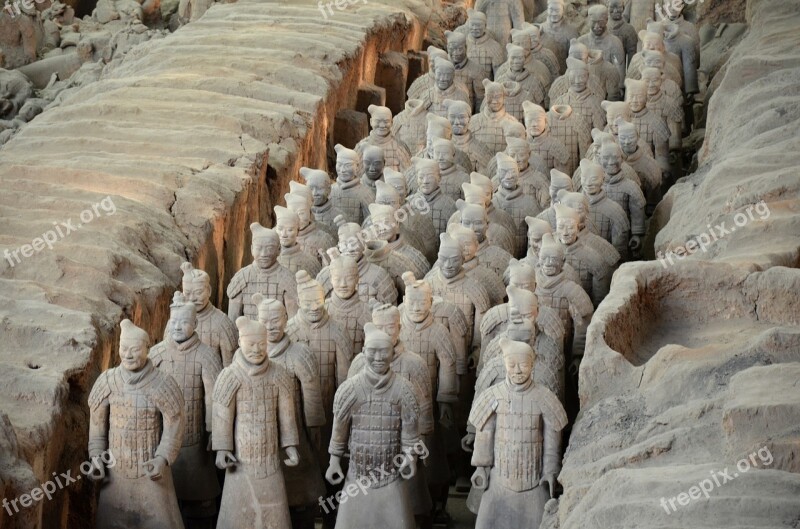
(252,340)
(311,296)
(579,203)
(433,54)
(444,153)
(555,11)
(520,151)
(384,222)
(445,74)
(438,127)
(374,162)
(348,163)
(524,39)
(196,285)
(466,238)
(558,181)
(507,171)
(578,75)
(535,119)
(628,136)
(610,157)
(272,314)
(635,94)
(386,195)
(287,225)
(523,301)
(578,51)
(653,78)
(459,114)
(418,298)
(592,176)
(319,183)
(516,57)
(428,176)
(182,318)
(300,206)
(484,183)
(451,258)
(476,22)
(536,230)
(396,180)
(378,349)
(474,217)
(265,247)
(344,274)
(387,319)
(521,275)
(456,46)
(653,59)
(351,241)
(616,9)
(551,256)
(380,120)
(568,223)
(133,346)
(652,40)
(519,360)
(598,19)
(495,95)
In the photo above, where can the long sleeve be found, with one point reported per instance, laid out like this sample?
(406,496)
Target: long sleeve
(483,450)
(99,408)
(344,355)
(343,404)
(224,410)
(169,400)
(212,366)
(636,204)
(447,390)
(307,373)
(287,422)
(551,450)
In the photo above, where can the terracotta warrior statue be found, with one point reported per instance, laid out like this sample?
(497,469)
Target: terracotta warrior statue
(416,225)
(501,17)
(451,283)
(515,131)
(487,126)
(580,98)
(594,268)
(559,183)
(293,256)
(475,218)
(601,38)
(480,191)
(624,192)
(616,111)
(347,193)
(445,86)
(343,303)
(571,130)
(541,53)
(587,231)
(397,156)
(542,143)
(373,162)
(472,265)
(686,45)
(557,33)
(481,46)
(254,423)
(531,84)
(195,366)
(387,445)
(441,206)
(409,125)
(520,273)
(385,228)
(422,83)
(521,302)
(605,215)
(653,40)
(536,229)
(532,64)
(138,490)
(304,485)
(452,175)
(437,128)
(467,71)
(639,12)
(374,283)
(459,114)
(265,275)
(595,84)
(669,108)
(606,73)
(510,198)
(637,157)
(532,179)
(650,126)
(214,328)
(310,236)
(517,451)
(323,209)
(618,26)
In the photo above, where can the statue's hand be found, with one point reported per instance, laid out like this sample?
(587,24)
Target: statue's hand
(550,479)
(480,479)
(467,442)
(154,469)
(98,472)
(294,457)
(225,459)
(334,474)
(408,467)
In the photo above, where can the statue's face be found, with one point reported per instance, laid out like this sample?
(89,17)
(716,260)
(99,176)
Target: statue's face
(611,160)
(287,232)
(615,10)
(450,262)
(475,222)
(509,178)
(198,293)
(346,169)
(653,42)
(636,99)
(518,368)
(459,121)
(373,165)
(653,81)
(254,347)
(132,354)
(320,191)
(676,11)
(382,125)
(578,79)
(445,157)
(312,303)
(181,324)
(521,155)
(477,28)
(275,322)
(535,124)
(384,227)
(469,247)
(592,183)
(417,304)
(265,252)
(628,141)
(523,281)
(535,241)
(555,13)
(444,78)
(578,205)
(516,61)
(344,281)
(399,185)
(495,100)
(567,231)
(351,247)
(523,40)
(379,359)
(599,25)
(303,214)
(457,51)
(551,263)
(388,323)
(427,181)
